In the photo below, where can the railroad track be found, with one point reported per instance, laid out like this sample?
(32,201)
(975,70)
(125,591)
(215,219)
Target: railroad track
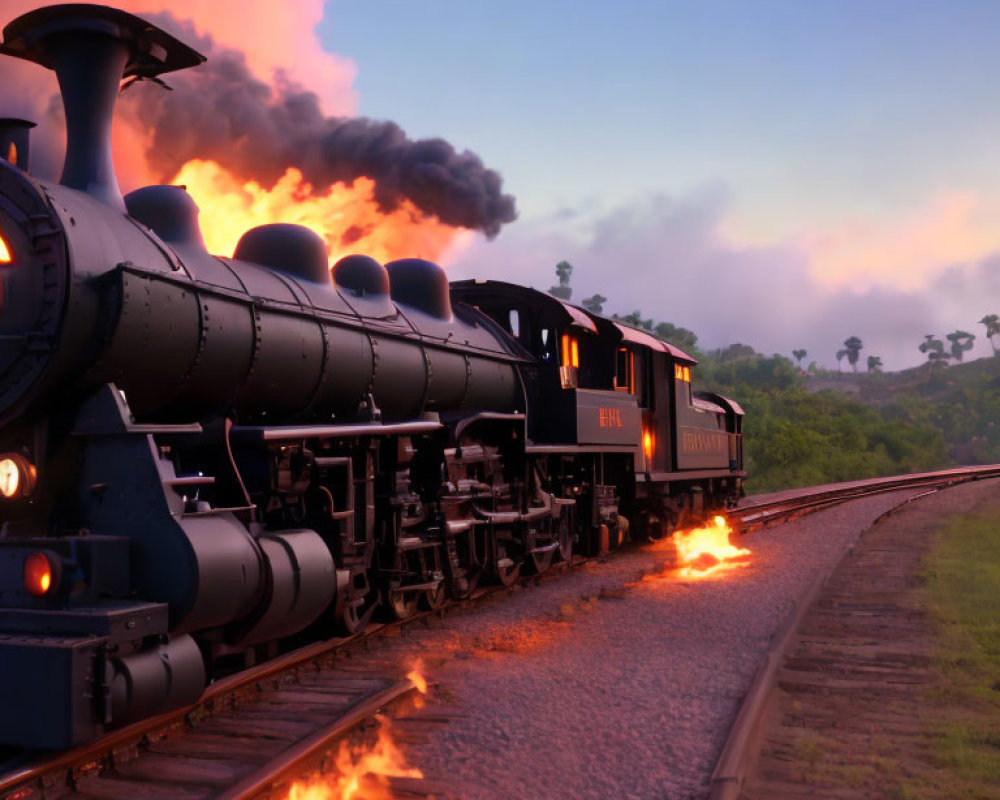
(766,510)
(743,743)
(257,730)
(247,734)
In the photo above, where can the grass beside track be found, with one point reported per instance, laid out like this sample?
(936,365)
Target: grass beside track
(962,716)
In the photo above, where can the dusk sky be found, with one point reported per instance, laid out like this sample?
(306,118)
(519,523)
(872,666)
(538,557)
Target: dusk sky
(779,173)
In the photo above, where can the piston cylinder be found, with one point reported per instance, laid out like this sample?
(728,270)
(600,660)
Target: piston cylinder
(153,681)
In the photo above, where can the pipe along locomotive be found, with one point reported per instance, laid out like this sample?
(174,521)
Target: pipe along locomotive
(206,460)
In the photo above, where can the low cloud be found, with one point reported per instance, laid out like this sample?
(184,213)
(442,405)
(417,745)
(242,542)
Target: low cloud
(905,253)
(670,259)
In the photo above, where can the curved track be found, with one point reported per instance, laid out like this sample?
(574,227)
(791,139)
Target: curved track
(320,682)
(760,511)
(743,744)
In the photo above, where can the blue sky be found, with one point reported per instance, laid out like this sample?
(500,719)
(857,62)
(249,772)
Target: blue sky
(845,105)
(773,172)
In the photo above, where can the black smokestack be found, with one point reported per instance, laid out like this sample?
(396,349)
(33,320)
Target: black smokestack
(91,48)
(222,113)
(15,141)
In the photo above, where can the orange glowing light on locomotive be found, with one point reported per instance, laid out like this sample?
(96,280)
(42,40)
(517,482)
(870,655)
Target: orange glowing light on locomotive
(707,550)
(347,216)
(5,256)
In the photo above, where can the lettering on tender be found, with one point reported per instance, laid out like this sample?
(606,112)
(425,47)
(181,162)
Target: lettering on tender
(609,417)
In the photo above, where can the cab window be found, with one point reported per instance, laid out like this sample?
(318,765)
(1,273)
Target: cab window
(625,370)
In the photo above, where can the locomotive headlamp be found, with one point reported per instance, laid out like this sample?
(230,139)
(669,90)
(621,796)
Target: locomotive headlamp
(5,256)
(17,476)
(41,573)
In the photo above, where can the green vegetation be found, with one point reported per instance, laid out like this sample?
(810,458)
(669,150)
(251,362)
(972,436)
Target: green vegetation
(794,436)
(812,426)
(963,716)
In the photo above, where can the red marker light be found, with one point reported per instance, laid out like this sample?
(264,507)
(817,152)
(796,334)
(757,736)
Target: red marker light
(38,574)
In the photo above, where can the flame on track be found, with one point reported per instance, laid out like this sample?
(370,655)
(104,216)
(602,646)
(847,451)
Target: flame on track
(707,550)
(360,773)
(417,677)
(347,216)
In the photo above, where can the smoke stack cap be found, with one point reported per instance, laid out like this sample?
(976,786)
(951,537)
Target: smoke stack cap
(362,275)
(294,249)
(169,211)
(420,284)
(152,51)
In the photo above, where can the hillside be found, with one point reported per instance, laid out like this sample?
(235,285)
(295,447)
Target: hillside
(809,428)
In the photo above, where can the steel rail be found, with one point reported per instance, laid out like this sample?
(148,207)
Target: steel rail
(103,751)
(760,513)
(743,742)
(288,764)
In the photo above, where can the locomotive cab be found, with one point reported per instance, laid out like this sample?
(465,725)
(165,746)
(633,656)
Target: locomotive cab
(571,387)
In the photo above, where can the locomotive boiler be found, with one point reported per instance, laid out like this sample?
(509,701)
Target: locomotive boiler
(207,460)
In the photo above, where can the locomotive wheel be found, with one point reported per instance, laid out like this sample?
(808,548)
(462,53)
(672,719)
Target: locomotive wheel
(467,583)
(353,619)
(542,561)
(652,528)
(350,620)
(508,561)
(403,605)
(435,598)
(508,571)
(564,535)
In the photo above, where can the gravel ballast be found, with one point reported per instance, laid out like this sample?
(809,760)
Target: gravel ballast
(596,685)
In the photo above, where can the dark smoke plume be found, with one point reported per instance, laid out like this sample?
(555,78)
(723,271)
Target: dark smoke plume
(219,111)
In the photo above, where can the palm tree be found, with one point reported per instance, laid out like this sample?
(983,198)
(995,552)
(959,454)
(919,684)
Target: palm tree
(799,355)
(931,345)
(874,363)
(960,342)
(992,323)
(853,347)
(840,357)
(595,304)
(563,291)
(635,320)
(934,349)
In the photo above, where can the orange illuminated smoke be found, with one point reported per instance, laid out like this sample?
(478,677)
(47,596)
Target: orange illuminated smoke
(5,257)
(347,216)
(360,773)
(706,550)
(37,574)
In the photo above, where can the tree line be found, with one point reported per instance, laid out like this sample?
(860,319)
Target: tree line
(796,437)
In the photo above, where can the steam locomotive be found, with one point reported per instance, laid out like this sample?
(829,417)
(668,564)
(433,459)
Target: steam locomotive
(204,460)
